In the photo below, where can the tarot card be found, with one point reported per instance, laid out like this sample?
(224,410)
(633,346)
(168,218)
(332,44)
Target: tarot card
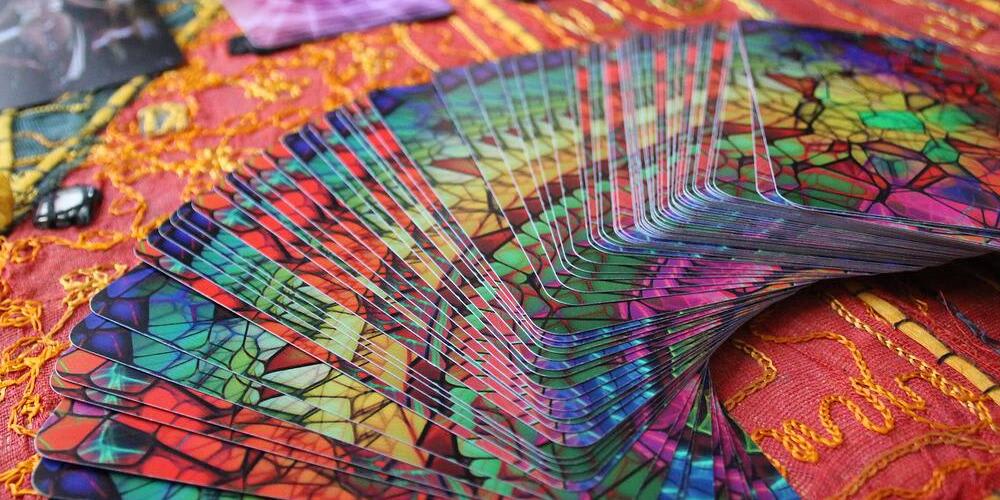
(50,48)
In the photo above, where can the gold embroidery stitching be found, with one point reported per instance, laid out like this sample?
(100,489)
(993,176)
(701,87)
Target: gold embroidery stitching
(526,41)
(767,376)
(402,34)
(917,332)
(484,50)
(913,446)
(799,439)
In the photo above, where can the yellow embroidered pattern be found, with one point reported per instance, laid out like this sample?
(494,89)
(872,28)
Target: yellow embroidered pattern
(754,9)
(21,363)
(554,23)
(404,40)
(646,15)
(23,184)
(681,8)
(766,377)
(484,50)
(946,24)
(891,315)
(575,22)
(16,477)
(163,118)
(523,38)
(937,476)
(875,410)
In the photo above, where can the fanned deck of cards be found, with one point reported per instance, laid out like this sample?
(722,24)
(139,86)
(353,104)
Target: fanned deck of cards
(508,282)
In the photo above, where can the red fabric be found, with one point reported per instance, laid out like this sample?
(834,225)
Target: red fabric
(828,372)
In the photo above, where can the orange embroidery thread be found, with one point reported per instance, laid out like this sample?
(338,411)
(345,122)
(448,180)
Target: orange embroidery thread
(884,311)
(913,446)
(799,439)
(766,377)
(18,475)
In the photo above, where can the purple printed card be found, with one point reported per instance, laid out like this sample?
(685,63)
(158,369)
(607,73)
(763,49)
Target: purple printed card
(277,23)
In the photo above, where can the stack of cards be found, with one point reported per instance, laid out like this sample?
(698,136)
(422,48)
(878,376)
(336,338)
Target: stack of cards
(274,24)
(508,282)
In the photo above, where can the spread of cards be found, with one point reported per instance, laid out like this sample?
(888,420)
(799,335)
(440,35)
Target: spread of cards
(508,282)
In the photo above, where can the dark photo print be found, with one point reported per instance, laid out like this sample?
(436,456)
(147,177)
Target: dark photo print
(48,47)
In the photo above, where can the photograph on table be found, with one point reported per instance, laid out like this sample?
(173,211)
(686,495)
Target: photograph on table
(51,47)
